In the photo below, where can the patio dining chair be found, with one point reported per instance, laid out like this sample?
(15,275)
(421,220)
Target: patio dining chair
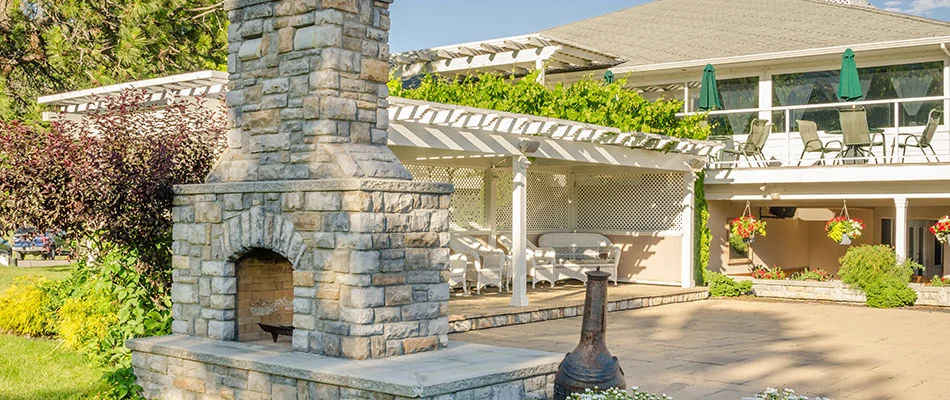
(808,130)
(856,137)
(922,141)
(752,148)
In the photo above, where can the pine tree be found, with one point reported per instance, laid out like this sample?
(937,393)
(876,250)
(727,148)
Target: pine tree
(50,46)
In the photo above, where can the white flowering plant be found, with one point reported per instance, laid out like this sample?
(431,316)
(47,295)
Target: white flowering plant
(636,394)
(618,394)
(784,394)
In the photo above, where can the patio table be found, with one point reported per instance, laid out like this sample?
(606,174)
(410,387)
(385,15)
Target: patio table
(853,150)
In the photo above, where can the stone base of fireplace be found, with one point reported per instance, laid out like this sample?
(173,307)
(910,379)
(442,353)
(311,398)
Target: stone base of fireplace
(175,367)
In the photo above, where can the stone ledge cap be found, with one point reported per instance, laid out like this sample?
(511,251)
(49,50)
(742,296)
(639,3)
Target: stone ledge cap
(318,185)
(460,366)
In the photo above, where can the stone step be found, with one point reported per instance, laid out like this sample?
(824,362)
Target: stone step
(500,318)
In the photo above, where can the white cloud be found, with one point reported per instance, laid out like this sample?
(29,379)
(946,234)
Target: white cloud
(924,7)
(893,4)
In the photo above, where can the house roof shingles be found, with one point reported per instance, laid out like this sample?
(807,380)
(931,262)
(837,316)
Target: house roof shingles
(707,29)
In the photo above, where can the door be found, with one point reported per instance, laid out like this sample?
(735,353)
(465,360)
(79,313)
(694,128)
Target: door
(923,248)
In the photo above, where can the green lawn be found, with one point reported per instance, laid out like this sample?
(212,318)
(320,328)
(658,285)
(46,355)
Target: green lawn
(8,274)
(43,369)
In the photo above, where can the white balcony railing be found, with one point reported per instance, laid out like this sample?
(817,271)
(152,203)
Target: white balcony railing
(784,146)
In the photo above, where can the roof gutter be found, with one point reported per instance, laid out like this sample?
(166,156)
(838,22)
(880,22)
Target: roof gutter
(786,54)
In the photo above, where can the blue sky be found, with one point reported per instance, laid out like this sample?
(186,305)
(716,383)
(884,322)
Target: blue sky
(419,24)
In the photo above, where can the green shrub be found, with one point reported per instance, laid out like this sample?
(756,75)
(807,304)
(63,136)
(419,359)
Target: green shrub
(109,303)
(874,270)
(723,286)
(28,307)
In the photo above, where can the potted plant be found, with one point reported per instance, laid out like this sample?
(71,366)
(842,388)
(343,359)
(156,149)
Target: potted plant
(843,229)
(746,227)
(942,229)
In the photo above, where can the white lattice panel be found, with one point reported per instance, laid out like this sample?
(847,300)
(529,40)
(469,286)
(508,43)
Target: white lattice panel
(467,209)
(633,202)
(547,201)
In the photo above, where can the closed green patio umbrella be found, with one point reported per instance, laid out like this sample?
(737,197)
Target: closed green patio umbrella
(849,86)
(709,92)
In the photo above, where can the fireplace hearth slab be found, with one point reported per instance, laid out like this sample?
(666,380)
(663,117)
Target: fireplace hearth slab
(222,368)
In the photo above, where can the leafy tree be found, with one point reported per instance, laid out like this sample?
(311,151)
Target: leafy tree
(108,178)
(587,101)
(49,46)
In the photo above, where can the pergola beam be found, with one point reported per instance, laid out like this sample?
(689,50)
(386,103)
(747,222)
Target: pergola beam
(503,60)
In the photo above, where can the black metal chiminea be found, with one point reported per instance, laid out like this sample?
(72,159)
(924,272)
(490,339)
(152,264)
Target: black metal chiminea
(590,365)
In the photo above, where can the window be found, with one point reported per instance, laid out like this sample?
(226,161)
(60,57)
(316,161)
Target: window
(736,94)
(878,83)
(887,231)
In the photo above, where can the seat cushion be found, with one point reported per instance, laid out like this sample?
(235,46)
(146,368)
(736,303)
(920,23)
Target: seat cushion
(579,254)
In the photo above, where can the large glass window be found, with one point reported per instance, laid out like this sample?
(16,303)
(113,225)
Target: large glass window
(878,83)
(736,94)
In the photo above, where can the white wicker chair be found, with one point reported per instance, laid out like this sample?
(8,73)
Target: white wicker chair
(540,261)
(458,266)
(489,261)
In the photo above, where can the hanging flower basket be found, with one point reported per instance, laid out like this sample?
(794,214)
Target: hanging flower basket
(746,227)
(942,229)
(843,229)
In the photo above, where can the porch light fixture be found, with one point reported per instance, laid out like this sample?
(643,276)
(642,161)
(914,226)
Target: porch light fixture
(528,146)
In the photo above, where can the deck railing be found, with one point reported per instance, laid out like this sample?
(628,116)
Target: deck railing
(784,146)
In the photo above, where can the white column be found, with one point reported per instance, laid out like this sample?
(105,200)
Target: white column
(519,230)
(689,208)
(900,227)
(686,97)
(539,65)
(765,95)
(946,94)
(490,205)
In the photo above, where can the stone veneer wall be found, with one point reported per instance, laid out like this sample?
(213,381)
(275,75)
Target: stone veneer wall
(838,291)
(307,91)
(368,257)
(265,294)
(177,378)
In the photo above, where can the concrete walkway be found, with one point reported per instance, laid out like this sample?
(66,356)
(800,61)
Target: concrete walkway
(725,349)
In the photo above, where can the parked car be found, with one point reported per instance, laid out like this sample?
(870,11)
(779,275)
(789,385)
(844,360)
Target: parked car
(26,241)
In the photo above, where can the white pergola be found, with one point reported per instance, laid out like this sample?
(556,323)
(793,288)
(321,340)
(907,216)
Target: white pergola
(160,90)
(516,55)
(448,135)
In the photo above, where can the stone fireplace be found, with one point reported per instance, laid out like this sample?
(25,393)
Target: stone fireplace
(309,220)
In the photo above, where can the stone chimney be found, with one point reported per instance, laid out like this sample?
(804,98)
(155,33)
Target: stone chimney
(307,92)
(309,220)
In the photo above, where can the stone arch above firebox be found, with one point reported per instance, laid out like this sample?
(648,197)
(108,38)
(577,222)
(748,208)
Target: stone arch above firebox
(258,229)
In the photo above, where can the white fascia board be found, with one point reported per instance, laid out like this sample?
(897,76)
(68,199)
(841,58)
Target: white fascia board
(217,77)
(411,134)
(784,55)
(505,59)
(829,174)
